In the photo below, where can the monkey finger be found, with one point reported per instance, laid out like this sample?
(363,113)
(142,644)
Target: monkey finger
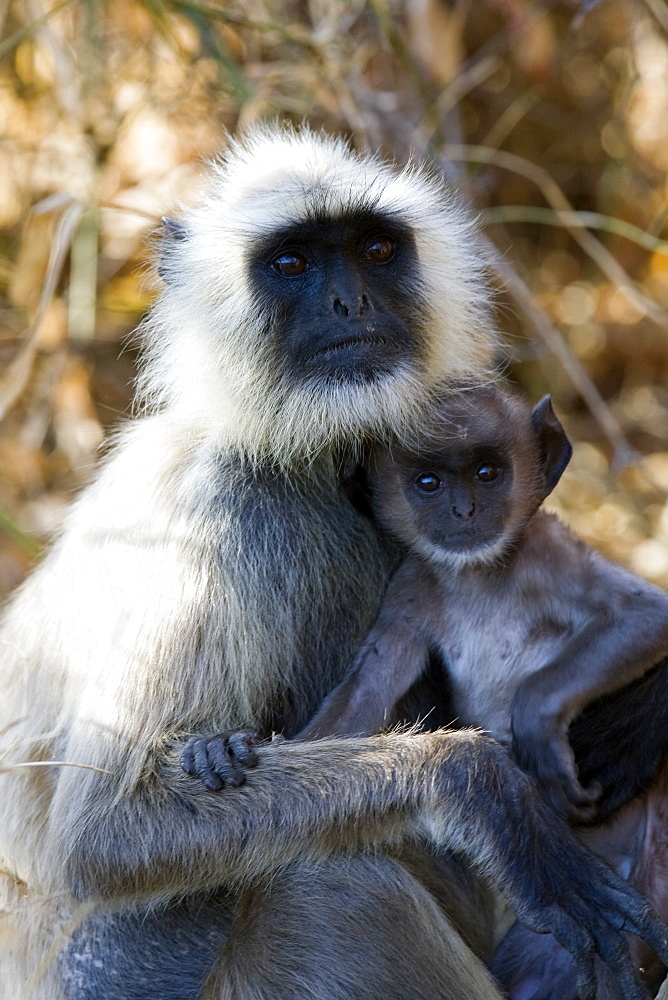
(618,958)
(585,976)
(222,761)
(569,798)
(242,747)
(580,797)
(207,774)
(654,931)
(574,939)
(195,761)
(625,909)
(188,757)
(586,809)
(581,813)
(614,951)
(644,923)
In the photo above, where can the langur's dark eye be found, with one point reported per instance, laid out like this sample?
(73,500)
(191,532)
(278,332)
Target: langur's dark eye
(428,482)
(487,473)
(380,251)
(290,265)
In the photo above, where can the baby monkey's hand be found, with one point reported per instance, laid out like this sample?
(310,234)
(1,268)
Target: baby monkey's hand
(221,760)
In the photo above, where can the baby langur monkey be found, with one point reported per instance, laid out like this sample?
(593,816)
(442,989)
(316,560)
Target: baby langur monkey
(530,623)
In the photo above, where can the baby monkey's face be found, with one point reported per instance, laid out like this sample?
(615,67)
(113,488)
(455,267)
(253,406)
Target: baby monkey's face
(463,492)
(454,505)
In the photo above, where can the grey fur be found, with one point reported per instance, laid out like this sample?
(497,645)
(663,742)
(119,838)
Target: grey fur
(216,576)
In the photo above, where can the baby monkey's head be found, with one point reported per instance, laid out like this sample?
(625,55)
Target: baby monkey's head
(462,493)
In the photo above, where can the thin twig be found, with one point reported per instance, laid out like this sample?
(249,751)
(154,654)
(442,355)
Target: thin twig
(24,541)
(558,200)
(592,220)
(5,768)
(34,26)
(623,453)
(388,24)
(466,81)
(240,21)
(16,376)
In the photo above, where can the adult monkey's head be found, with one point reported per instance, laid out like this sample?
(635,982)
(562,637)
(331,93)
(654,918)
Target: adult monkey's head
(314,297)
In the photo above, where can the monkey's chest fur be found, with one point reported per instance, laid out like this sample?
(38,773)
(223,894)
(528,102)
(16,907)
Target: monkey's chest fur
(496,625)
(487,658)
(299,575)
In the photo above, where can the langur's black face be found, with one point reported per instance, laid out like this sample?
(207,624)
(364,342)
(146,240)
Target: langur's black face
(343,295)
(458,500)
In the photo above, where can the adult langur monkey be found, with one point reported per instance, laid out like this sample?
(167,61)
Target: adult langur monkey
(216,575)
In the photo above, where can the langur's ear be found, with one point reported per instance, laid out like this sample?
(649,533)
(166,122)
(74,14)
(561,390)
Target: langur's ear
(555,448)
(172,232)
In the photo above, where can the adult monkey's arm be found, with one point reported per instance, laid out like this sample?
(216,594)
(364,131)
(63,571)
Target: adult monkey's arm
(316,799)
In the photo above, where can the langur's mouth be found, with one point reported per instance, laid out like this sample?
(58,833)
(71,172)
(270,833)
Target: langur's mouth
(458,556)
(351,343)
(484,552)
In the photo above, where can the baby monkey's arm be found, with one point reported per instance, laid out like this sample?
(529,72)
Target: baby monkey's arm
(391,658)
(626,634)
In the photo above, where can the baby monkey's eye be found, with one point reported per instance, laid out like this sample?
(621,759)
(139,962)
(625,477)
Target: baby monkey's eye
(487,472)
(428,482)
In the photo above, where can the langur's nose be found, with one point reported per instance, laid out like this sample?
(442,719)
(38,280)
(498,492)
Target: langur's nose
(360,305)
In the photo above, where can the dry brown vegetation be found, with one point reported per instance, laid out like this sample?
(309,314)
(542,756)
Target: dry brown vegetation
(551,118)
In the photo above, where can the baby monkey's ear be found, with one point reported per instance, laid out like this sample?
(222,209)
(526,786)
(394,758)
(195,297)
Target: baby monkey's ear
(555,448)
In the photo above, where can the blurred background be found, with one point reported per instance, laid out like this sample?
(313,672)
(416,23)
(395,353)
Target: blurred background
(551,119)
